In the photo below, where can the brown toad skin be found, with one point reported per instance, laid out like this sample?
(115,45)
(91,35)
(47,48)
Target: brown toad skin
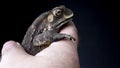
(45,29)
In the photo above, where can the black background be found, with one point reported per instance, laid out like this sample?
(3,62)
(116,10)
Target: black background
(96,21)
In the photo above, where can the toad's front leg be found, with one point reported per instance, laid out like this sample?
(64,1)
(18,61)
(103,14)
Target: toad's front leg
(46,38)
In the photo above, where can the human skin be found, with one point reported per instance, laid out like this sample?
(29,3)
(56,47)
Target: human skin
(60,54)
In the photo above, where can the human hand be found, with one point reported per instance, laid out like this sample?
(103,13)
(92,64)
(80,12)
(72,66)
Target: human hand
(61,54)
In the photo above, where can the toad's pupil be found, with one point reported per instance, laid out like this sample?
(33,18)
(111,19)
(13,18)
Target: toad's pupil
(58,12)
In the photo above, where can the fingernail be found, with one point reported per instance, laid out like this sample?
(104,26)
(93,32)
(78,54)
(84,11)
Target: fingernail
(18,43)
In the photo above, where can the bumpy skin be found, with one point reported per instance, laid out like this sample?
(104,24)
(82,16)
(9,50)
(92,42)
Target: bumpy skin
(45,29)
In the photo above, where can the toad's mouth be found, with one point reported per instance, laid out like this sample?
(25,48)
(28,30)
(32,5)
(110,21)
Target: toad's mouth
(60,24)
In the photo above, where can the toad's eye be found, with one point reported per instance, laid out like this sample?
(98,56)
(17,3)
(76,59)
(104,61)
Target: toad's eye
(58,12)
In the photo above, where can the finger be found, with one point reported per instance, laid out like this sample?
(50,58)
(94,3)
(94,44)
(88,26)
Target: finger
(11,50)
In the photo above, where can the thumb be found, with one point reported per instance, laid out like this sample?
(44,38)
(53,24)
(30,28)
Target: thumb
(11,50)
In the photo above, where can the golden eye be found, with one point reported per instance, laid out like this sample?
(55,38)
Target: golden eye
(58,12)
